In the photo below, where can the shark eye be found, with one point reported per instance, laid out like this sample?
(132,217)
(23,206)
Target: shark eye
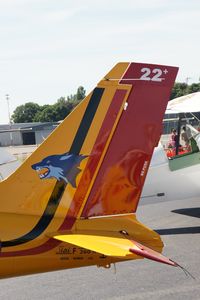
(48,162)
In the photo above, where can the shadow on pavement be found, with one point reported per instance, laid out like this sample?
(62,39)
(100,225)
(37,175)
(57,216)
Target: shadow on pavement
(180,230)
(192,212)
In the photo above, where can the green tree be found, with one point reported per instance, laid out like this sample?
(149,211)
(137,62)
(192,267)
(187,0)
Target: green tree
(25,113)
(194,87)
(63,108)
(40,115)
(47,114)
(32,112)
(179,89)
(80,94)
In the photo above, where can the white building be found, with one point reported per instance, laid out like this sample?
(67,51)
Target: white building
(25,133)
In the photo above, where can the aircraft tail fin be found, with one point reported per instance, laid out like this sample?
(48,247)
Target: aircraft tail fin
(99,155)
(120,172)
(95,163)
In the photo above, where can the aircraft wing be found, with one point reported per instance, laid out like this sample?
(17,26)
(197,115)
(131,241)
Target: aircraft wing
(184,104)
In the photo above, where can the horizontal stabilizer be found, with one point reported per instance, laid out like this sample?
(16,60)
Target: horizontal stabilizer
(107,243)
(112,244)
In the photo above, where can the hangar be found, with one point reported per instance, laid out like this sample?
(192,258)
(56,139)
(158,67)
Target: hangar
(25,133)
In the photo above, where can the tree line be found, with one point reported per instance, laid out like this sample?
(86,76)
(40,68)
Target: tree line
(182,88)
(33,112)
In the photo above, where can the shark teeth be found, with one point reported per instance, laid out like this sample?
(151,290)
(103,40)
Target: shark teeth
(42,172)
(43,175)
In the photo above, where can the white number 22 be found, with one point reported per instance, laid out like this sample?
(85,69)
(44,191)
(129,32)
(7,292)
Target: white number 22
(147,72)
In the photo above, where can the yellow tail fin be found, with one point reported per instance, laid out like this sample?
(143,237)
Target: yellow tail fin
(96,161)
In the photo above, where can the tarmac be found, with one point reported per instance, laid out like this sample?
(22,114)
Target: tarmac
(179,225)
(21,152)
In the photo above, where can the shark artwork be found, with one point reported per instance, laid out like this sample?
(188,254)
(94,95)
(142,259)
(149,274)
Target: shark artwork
(61,166)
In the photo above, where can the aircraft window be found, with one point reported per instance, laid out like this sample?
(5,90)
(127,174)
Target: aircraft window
(194,144)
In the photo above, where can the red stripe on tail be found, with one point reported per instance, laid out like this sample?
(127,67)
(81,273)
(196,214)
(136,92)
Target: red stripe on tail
(119,183)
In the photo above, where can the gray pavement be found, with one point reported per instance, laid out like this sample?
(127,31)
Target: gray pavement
(179,224)
(21,152)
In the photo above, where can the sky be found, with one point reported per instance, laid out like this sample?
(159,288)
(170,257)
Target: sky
(49,48)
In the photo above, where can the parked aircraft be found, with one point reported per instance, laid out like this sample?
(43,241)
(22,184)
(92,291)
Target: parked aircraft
(72,203)
(176,177)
